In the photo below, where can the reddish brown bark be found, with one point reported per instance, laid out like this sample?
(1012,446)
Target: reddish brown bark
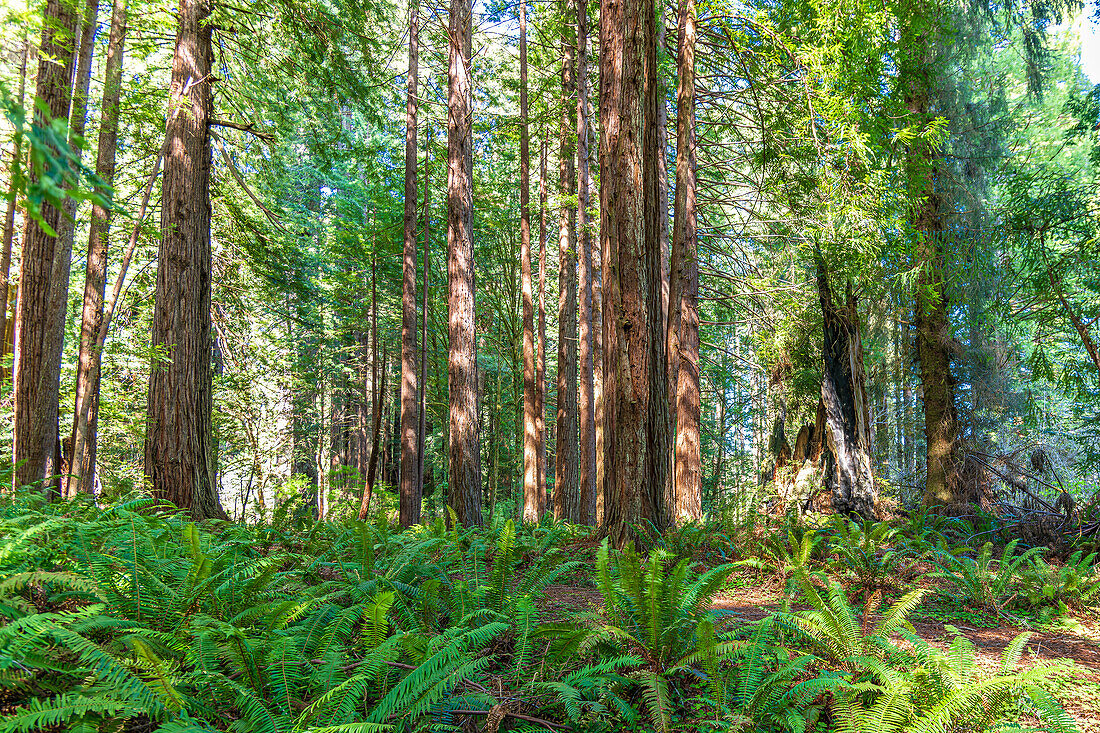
(422,430)
(532,505)
(540,367)
(36,346)
(86,412)
(409,512)
(464,457)
(586,403)
(179,434)
(566,494)
(633,341)
(683,321)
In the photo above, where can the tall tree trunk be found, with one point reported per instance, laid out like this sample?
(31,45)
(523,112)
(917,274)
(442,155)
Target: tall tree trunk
(66,230)
(633,341)
(36,388)
(683,321)
(586,404)
(848,472)
(86,412)
(464,456)
(409,511)
(566,494)
(179,434)
(540,367)
(9,220)
(422,430)
(532,507)
(654,171)
(917,74)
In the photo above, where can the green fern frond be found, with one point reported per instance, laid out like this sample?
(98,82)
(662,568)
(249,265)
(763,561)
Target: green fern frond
(45,713)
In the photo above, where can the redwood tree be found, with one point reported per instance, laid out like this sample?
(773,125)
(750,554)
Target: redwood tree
(37,348)
(410,479)
(85,422)
(633,343)
(586,402)
(566,498)
(532,504)
(463,450)
(179,434)
(683,319)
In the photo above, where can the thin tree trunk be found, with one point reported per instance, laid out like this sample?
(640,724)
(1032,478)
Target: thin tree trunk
(179,434)
(540,367)
(566,494)
(464,452)
(683,320)
(86,412)
(66,230)
(422,440)
(586,406)
(379,389)
(1075,320)
(377,386)
(9,220)
(410,479)
(36,388)
(532,507)
(720,448)
(655,176)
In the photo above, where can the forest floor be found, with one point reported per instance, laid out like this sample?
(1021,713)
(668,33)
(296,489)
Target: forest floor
(750,597)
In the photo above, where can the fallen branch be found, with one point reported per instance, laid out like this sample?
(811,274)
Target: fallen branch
(530,719)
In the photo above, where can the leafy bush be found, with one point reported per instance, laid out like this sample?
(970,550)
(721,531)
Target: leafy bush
(1075,583)
(982,580)
(865,550)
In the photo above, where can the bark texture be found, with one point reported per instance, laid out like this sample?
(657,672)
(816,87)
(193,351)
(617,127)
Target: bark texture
(36,346)
(540,366)
(463,450)
(409,511)
(633,339)
(86,413)
(683,321)
(179,435)
(586,401)
(66,231)
(422,429)
(532,503)
(566,495)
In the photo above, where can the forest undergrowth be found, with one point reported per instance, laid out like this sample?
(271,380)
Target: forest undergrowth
(134,618)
